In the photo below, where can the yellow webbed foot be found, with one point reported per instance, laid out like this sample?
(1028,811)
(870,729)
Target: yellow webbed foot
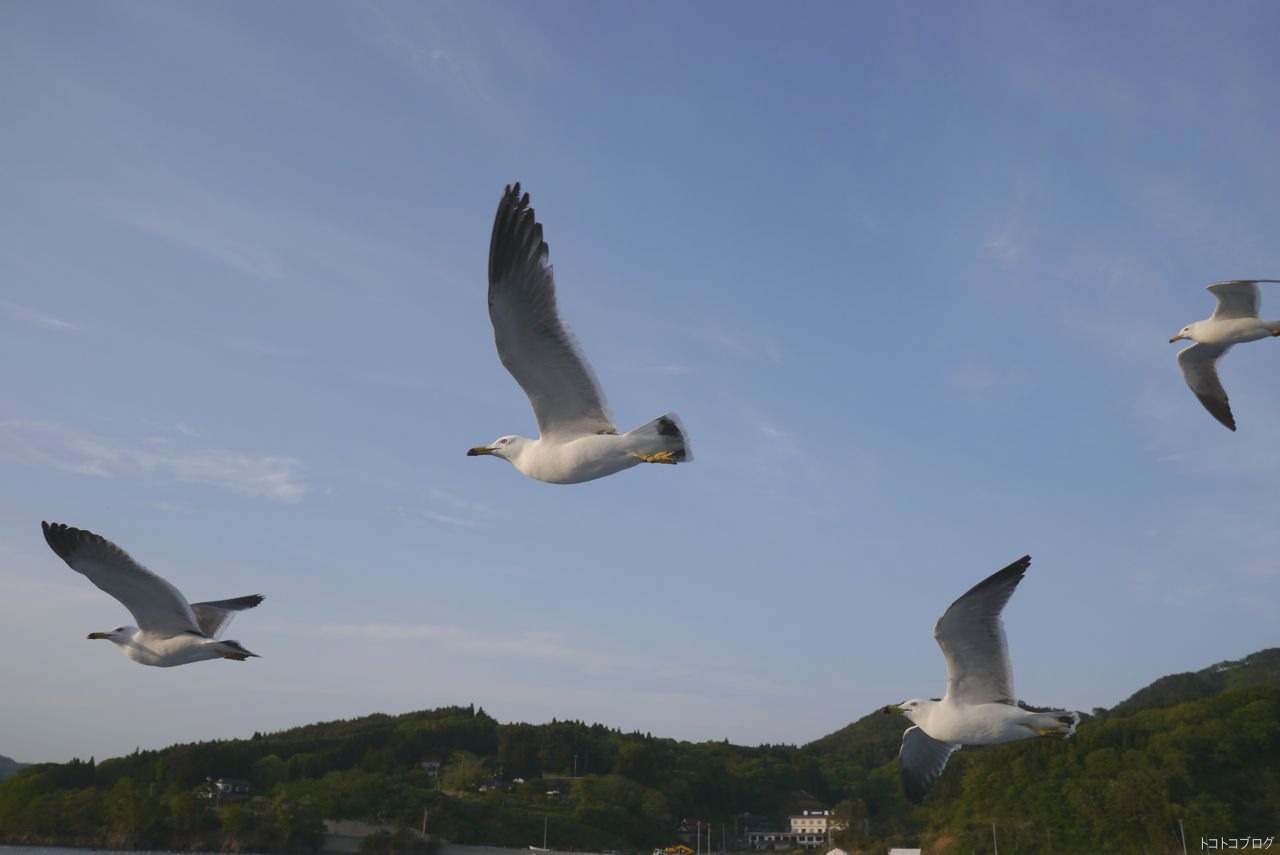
(660,457)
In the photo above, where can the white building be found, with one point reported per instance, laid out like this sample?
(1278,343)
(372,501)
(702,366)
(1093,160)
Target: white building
(813,822)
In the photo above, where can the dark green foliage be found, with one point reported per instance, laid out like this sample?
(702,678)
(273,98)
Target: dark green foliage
(1203,748)
(1259,669)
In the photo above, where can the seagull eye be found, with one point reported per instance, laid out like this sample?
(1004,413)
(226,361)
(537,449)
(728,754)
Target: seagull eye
(502,442)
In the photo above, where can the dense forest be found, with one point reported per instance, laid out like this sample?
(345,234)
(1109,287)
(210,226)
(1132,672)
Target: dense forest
(1202,749)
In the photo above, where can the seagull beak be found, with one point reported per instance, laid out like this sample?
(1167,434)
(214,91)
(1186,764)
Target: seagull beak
(99,635)
(892,708)
(1178,337)
(479,450)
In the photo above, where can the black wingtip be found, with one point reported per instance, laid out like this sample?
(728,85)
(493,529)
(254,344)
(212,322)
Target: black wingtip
(1014,572)
(62,538)
(517,234)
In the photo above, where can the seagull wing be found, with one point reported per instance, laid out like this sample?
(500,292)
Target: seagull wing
(1199,364)
(156,605)
(534,343)
(215,615)
(972,639)
(1237,298)
(921,760)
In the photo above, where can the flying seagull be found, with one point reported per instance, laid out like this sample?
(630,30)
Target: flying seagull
(170,630)
(979,707)
(1234,320)
(577,440)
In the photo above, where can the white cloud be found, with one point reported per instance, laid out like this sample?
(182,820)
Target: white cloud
(22,313)
(446,519)
(69,450)
(1007,246)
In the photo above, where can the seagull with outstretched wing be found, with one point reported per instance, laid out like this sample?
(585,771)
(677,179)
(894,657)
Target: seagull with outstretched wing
(1234,321)
(979,707)
(577,439)
(170,630)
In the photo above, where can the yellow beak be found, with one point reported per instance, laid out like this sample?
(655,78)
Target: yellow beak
(99,635)
(478,450)
(1177,337)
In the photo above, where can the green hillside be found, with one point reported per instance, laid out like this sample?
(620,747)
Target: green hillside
(1211,760)
(1259,669)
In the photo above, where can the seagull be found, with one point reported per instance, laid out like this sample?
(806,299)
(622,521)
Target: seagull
(577,440)
(170,630)
(979,707)
(1234,320)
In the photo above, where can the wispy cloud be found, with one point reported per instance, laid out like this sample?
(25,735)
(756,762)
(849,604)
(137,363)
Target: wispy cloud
(1007,246)
(265,349)
(666,369)
(56,446)
(462,512)
(22,313)
(207,238)
(973,374)
(482,643)
(446,519)
(548,648)
(418,42)
(472,53)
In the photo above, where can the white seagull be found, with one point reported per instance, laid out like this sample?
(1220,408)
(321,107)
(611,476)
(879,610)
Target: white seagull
(577,440)
(170,630)
(1235,320)
(979,707)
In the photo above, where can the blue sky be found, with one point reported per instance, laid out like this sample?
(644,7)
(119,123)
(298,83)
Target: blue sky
(907,272)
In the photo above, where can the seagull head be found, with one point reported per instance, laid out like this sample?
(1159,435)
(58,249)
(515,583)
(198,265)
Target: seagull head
(505,447)
(118,635)
(911,709)
(1185,333)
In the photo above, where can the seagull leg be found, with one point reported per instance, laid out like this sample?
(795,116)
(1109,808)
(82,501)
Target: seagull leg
(1275,331)
(238,657)
(669,457)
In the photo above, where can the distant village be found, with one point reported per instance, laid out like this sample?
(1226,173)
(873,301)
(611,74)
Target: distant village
(811,829)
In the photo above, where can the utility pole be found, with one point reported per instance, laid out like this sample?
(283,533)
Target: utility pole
(995,840)
(424,821)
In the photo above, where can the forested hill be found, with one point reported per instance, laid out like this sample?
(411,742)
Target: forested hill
(1258,669)
(873,739)
(8,766)
(1211,760)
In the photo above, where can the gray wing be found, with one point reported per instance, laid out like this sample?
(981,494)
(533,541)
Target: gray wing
(155,605)
(1199,364)
(972,639)
(1237,298)
(214,615)
(921,760)
(534,344)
